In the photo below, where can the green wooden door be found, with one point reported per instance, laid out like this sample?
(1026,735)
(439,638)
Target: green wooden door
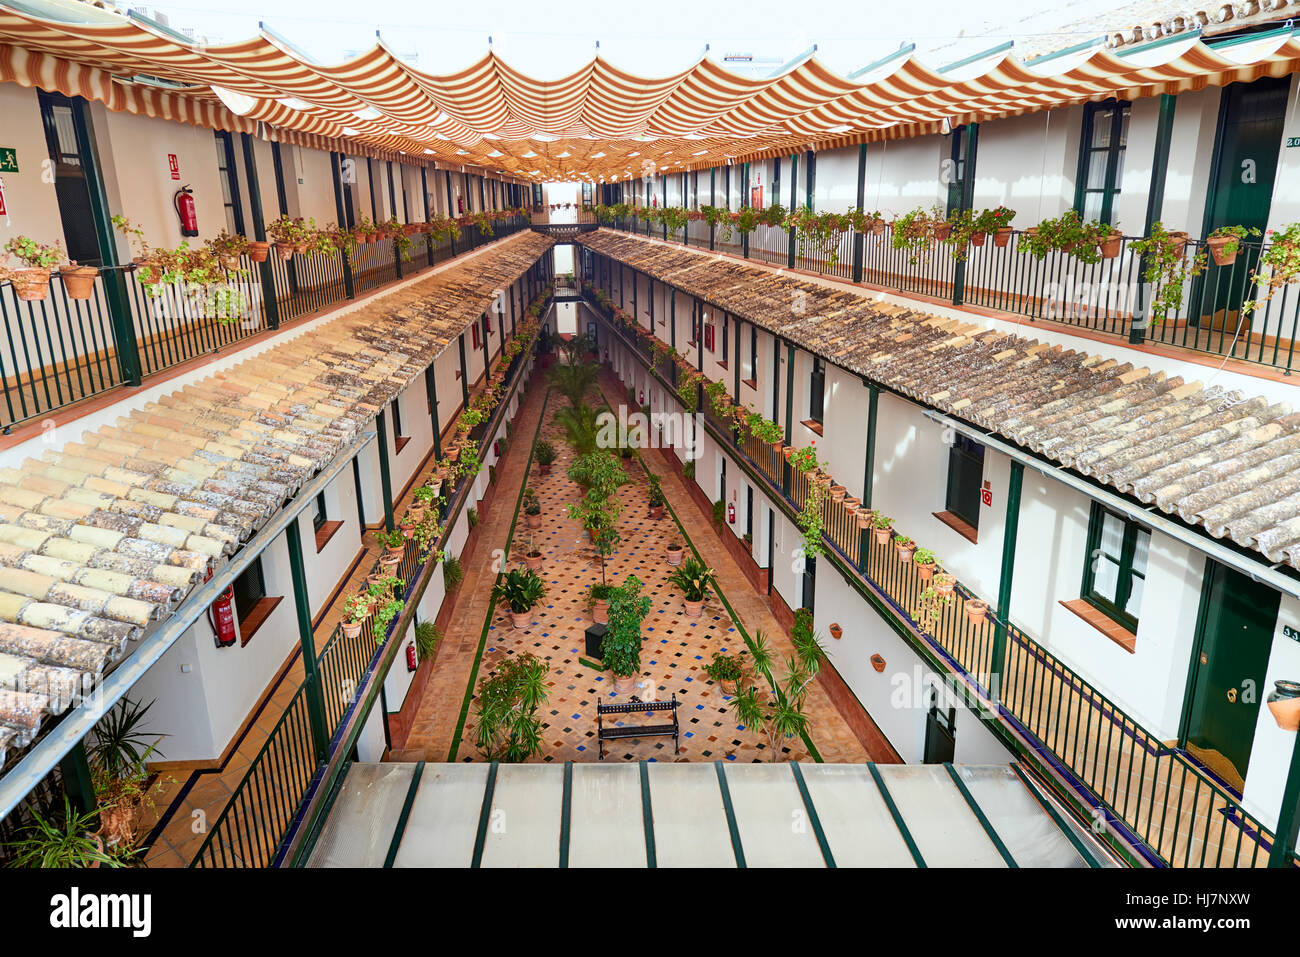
(1250,134)
(1236,633)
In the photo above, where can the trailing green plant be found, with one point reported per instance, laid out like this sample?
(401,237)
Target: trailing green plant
(620,650)
(390,540)
(930,605)
(520,589)
(913,232)
(717,398)
(1066,233)
(819,231)
(925,556)
(763,429)
(508,727)
(688,470)
(452,573)
(384,617)
(719,514)
(427,637)
(1278,265)
(776,705)
(693,577)
(688,382)
(35,255)
(809,520)
(1167,266)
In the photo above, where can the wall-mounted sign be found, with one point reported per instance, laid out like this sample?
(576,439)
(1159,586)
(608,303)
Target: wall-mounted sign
(986,494)
(8,159)
(174,165)
(1292,141)
(1291,633)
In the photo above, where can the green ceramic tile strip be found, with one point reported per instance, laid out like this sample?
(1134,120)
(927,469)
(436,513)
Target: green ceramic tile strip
(898,818)
(484,816)
(980,816)
(731,814)
(487,622)
(812,814)
(402,818)
(1084,851)
(566,813)
(648,817)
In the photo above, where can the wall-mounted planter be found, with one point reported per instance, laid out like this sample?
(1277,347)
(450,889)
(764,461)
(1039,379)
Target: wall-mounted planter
(836,631)
(878,663)
(976,610)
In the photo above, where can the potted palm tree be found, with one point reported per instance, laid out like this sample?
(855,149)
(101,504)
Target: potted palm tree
(620,650)
(693,577)
(520,589)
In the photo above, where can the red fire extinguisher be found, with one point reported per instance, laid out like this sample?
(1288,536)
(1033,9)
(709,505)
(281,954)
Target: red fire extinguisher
(731,513)
(183,200)
(221,615)
(412,658)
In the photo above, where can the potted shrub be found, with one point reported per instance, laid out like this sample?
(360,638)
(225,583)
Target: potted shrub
(532,509)
(925,563)
(227,249)
(544,452)
(598,601)
(656,495)
(1225,242)
(883,524)
(693,577)
(408,523)
(996,222)
(520,589)
(905,547)
(620,650)
(1109,239)
(674,551)
(394,546)
(726,670)
(427,638)
(32,282)
(355,611)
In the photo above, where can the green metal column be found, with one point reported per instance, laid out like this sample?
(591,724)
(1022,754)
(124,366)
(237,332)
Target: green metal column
(789,414)
(859,240)
(119,302)
(336,168)
(869,469)
(306,638)
(272,304)
(713,194)
(424,186)
(464,373)
(385,476)
(1009,534)
(1155,203)
(967,202)
(431,388)
(1288,822)
(78,784)
(744,201)
(810,179)
(451,208)
(794,204)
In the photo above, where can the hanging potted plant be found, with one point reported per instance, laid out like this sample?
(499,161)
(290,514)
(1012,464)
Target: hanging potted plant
(1225,242)
(32,282)
(726,670)
(976,610)
(227,249)
(997,222)
(882,525)
(78,281)
(1167,268)
(944,583)
(694,579)
(925,562)
(519,590)
(1278,266)
(905,547)
(620,649)
(355,611)
(384,617)
(394,545)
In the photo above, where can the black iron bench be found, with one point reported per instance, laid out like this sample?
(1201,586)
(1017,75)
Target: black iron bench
(604,734)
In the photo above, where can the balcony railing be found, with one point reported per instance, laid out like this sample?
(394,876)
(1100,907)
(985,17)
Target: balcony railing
(59,350)
(1139,786)
(1109,296)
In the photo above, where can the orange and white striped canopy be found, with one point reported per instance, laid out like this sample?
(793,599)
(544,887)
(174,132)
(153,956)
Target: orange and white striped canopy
(600,122)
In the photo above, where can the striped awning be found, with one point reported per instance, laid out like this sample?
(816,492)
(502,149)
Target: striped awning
(599,122)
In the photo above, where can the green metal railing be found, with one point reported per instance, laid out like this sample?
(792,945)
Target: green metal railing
(1136,785)
(58,351)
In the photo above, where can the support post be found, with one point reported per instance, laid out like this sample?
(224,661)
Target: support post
(794,204)
(787,470)
(869,471)
(119,302)
(464,373)
(77,782)
(431,388)
(337,169)
(1155,203)
(967,202)
(1005,577)
(306,638)
(270,302)
(385,476)
(859,240)
(1288,820)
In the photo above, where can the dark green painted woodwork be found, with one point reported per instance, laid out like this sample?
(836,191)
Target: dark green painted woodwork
(1235,635)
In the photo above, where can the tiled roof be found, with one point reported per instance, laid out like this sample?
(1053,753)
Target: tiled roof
(1229,464)
(102,537)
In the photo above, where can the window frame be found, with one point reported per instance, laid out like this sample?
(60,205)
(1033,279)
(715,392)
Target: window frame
(228,174)
(1113,608)
(319,515)
(254,568)
(1118,144)
(817,391)
(959,447)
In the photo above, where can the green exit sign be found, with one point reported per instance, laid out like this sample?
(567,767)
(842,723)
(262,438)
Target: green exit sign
(1292,141)
(1289,632)
(8,159)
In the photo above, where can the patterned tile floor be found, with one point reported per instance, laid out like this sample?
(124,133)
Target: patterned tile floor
(676,647)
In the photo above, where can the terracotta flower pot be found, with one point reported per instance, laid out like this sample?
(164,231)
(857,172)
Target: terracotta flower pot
(1002,236)
(408,530)
(284,250)
(1178,242)
(1284,703)
(534,561)
(351,629)
(883,535)
(533,521)
(977,239)
(30,285)
(656,511)
(694,608)
(674,555)
(838,492)
(1218,249)
(941,231)
(1110,246)
(837,632)
(877,227)
(905,552)
(521,619)
(878,663)
(417,511)
(600,612)
(728,686)
(79,282)
(944,583)
(864,519)
(258,250)
(778,447)
(976,610)
(624,684)
(852,504)
(925,570)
